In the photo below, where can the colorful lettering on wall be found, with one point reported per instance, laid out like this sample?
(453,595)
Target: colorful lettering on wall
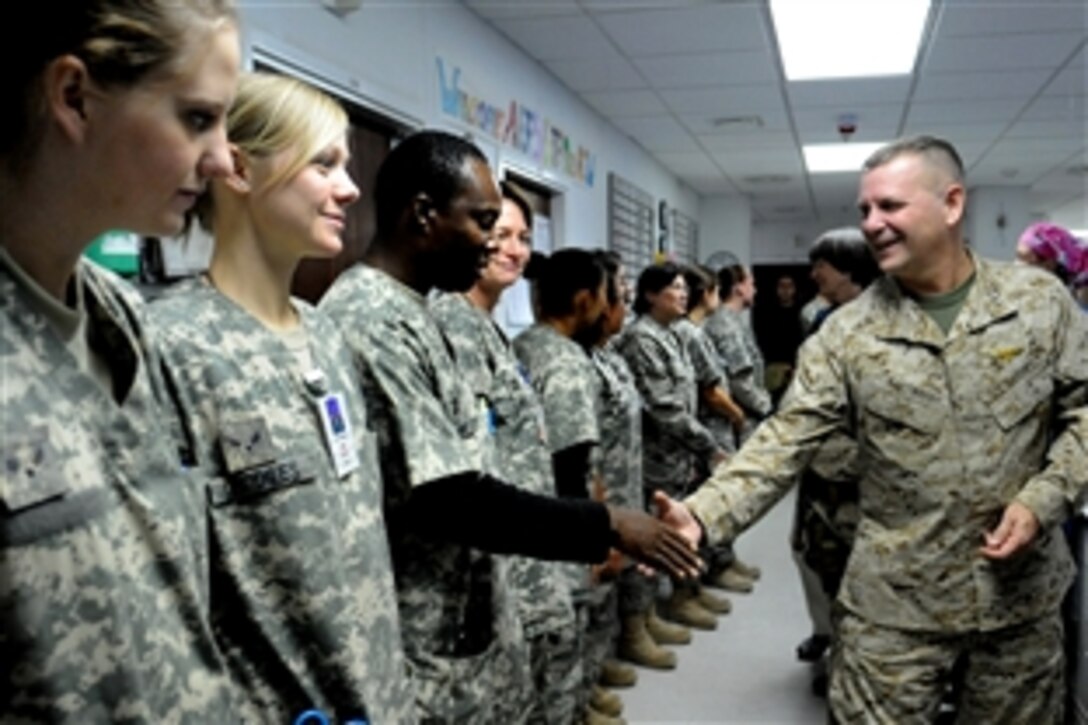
(517,126)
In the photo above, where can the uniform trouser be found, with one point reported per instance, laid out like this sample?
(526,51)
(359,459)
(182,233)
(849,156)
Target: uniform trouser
(635,591)
(555,658)
(817,601)
(1012,675)
(602,629)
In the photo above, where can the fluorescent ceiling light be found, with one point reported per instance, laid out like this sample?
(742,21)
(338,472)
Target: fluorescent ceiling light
(848,38)
(824,158)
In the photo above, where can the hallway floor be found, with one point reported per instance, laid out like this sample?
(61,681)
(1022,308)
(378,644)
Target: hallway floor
(746,671)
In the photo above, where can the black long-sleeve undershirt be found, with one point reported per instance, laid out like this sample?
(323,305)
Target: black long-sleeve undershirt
(484,513)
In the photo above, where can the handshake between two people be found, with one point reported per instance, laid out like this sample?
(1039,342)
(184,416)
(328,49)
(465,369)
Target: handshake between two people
(668,542)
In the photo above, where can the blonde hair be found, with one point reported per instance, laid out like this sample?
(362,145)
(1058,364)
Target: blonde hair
(272,114)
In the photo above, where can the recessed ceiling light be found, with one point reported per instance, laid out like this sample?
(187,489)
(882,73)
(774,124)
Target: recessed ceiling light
(837,39)
(823,158)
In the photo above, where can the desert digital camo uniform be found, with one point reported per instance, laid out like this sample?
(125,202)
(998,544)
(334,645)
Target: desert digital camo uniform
(517,453)
(826,516)
(458,617)
(103,565)
(742,362)
(672,437)
(950,429)
(302,595)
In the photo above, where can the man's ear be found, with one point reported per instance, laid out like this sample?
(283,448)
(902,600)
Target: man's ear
(238,178)
(423,213)
(955,202)
(67,89)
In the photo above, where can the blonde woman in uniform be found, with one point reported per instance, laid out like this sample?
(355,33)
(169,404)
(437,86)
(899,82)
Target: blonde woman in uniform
(302,597)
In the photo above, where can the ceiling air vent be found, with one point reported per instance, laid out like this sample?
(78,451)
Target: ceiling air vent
(764,179)
(737,123)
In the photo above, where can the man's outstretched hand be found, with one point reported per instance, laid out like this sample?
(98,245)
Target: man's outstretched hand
(655,542)
(679,517)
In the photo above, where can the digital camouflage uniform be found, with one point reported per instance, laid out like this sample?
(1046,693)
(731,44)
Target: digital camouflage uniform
(950,430)
(518,453)
(562,375)
(673,439)
(709,373)
(461,631)
(103,569)
(619,461)
(734,342)
(302,596)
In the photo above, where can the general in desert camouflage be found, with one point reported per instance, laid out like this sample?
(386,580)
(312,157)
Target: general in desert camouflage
(950,429)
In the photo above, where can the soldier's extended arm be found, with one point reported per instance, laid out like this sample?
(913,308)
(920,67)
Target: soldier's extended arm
(484,513)
(741,491)
(1063,483)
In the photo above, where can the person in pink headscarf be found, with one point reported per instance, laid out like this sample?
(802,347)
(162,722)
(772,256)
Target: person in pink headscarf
(1054,248)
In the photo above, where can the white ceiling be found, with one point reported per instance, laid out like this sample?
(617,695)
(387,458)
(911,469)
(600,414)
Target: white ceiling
(1004,80)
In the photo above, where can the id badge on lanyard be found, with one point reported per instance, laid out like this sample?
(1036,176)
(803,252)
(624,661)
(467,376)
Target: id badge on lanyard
(336,422)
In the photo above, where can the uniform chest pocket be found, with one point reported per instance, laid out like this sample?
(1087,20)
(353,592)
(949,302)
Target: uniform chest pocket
(35,499)
(254,467)
(1029,395)
(906,416)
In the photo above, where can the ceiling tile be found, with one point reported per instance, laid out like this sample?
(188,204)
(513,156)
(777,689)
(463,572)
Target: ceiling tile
(1011,18)
(607,74)
(658,133)
(762,162)
(874,123)
(1000,53)
(756,139)
(557,38)
(994,110)
(706,124)
(708,69)
(980,85)
(724,100)
(1055,108)
(685,164)
(692,29)
(500,9)
(858,91)
(626,103)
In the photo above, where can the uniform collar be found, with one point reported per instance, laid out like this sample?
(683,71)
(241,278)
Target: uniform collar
(897,316)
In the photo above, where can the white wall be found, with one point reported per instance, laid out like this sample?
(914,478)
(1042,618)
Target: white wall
(725,224)
(996,215)
(384,56)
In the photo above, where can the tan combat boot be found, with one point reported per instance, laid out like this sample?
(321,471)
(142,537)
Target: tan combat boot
(731,580)
(713,603)
(683,607)
(666,632)
(636,645)
(604,701)
(747,570)
(616,674)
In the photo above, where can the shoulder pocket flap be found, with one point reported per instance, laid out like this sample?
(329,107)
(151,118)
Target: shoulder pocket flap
(31,472)
(246,443)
